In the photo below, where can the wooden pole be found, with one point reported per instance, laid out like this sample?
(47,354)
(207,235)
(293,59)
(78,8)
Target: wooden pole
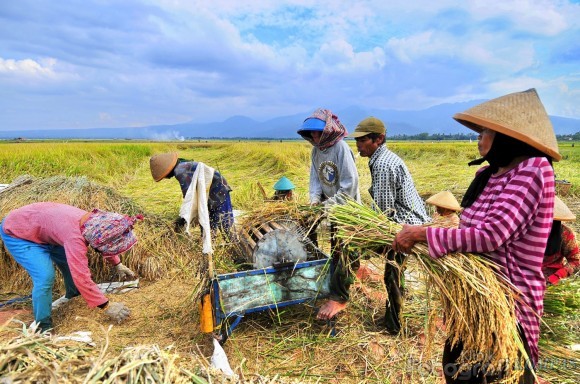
(263,190)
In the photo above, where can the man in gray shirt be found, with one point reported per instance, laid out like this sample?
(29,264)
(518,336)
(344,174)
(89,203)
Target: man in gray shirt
(394,194)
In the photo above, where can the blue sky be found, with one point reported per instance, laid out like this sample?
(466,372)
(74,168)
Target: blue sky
(127,63)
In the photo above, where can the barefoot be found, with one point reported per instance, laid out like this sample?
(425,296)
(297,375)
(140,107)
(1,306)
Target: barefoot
(366,273)
(363,272)
(330,309)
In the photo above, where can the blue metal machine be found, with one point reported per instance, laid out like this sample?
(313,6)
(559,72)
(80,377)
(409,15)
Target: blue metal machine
(239,293)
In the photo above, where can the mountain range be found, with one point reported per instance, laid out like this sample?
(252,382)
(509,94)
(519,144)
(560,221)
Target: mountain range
(434,120)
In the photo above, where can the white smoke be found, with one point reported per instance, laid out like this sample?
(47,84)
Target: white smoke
(167,136)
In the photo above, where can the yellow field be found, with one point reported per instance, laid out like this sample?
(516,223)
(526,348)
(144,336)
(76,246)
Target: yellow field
(290,344)
(124,165)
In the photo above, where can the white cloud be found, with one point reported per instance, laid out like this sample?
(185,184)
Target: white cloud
(28,67)
(533,16)
(180,60)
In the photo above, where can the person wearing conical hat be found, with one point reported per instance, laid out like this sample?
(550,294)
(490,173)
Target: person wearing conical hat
(507,213)
(333,178)
(41,235)
(219,204)
(562,256)
(283,189)
(446,209)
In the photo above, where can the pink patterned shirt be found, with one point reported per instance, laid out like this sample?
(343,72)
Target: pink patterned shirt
(510,220)
(59,224)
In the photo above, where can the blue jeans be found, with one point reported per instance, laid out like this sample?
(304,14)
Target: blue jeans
(37,260)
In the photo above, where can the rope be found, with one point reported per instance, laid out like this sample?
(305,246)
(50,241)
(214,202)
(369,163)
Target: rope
(15,300)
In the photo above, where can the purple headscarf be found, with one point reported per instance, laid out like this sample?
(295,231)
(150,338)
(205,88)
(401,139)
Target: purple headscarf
(109,233)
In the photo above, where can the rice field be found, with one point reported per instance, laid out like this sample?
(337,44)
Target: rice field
(287,346)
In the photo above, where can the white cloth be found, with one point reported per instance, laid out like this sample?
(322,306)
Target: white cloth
(194,205)
(219,359)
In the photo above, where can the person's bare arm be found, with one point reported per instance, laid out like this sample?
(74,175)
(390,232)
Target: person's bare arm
(406,238)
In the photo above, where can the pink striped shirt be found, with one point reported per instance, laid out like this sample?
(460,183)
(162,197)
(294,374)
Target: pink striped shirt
(59,224)
(510,220)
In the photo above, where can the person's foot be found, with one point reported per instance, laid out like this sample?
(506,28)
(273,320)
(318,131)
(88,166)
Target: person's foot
(365,273)
(329,309)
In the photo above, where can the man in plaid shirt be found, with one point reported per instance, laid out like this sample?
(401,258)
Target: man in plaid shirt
(394,194)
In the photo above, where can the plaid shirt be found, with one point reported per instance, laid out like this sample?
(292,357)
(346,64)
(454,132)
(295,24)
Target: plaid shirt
(393,190)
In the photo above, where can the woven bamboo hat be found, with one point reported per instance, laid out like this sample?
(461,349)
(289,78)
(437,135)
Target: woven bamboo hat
(562,212)
(444,199)
(162,164)
(519,115)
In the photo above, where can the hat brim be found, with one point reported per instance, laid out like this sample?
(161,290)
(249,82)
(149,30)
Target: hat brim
(164,165)
(444,201)
(477,124)
(356,134)
(562,212)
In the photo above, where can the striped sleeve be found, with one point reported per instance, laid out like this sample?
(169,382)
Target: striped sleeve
(514,203)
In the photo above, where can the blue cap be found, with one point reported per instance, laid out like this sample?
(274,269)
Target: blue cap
(312,124)
(284,184)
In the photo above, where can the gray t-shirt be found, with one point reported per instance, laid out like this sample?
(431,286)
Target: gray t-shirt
(333,173)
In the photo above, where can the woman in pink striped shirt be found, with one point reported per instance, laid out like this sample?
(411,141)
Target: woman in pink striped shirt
(507,212)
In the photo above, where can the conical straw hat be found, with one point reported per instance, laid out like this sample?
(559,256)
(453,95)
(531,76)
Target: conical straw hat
(162,164)
(562,212)
(519,115)
(444,199)
(284,184)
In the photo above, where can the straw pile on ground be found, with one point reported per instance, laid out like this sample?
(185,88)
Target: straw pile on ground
(28,357)
(302,218)
(466,283)
(305,215)
(560,332)
(564,298)
(158,249)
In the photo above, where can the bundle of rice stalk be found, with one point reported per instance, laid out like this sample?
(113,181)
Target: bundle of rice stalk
(558,363)
(467,283)
(282,210)
(158,248)
(563,298)
(303,218)
(40,358)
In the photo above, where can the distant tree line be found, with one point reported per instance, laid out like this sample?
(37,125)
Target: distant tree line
(465,136)
(436,136)
(574,137)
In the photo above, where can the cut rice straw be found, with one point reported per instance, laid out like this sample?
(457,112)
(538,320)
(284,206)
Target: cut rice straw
(478,305)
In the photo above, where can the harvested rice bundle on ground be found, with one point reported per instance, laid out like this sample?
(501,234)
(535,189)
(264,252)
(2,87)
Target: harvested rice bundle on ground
(293,216)
(466,283)
(41,358)
(559,362)
(27,357)
(563,298)
(158,248)
(281,210)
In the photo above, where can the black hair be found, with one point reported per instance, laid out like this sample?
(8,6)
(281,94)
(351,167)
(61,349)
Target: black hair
(502,152)
(555,238)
